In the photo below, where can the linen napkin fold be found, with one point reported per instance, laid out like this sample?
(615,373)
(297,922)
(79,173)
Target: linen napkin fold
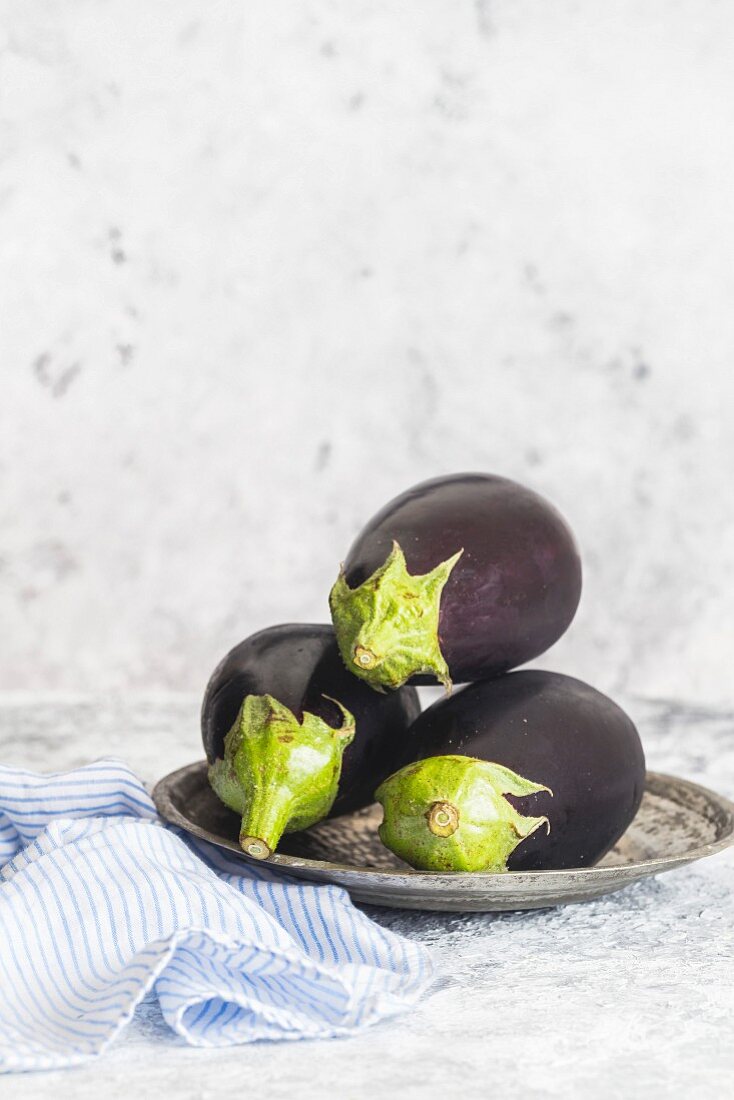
(100,903)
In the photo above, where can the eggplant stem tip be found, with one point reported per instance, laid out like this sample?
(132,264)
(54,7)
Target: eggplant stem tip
(256,847)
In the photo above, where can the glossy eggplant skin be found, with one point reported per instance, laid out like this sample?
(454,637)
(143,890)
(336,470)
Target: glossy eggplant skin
(553,730)
(517,585)
(299,664)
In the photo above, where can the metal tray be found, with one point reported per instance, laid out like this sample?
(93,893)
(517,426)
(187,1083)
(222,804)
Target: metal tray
(678,822)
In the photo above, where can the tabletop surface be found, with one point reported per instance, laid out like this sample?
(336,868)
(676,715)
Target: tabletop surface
(631,995)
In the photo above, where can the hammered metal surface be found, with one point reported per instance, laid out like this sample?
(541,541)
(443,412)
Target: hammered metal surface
(677,823)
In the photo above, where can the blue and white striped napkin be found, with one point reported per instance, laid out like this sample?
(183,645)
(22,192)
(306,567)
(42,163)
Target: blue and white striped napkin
(101,903)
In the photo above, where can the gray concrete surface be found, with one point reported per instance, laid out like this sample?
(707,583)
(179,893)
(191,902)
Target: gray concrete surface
(626,997)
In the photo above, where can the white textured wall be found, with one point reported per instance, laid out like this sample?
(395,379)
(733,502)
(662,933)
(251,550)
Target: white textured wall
(266,264)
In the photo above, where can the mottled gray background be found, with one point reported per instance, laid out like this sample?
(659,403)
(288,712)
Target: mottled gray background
(264,265)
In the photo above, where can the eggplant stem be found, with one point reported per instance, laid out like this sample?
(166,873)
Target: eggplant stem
(256,847)
(443,818)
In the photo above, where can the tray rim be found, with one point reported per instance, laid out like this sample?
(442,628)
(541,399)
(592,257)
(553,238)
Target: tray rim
(169,812)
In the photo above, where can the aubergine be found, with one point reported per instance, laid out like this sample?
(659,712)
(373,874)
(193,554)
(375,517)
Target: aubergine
(302,690)
(555,731)
(458,579)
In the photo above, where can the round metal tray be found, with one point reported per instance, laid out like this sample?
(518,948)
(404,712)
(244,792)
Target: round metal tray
(678,822)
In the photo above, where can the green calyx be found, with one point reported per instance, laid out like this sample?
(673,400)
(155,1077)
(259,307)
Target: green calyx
(280,774)
(448,813)
(387,628)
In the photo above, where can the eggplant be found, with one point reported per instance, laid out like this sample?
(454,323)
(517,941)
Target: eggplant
(449,813)
(555,731)
(299,666)
(459,579)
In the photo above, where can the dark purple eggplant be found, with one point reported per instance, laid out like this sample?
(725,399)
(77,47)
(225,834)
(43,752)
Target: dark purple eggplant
(558,732)
(458,579)
(299,665)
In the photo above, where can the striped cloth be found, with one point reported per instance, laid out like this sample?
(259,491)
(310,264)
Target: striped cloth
(101,904)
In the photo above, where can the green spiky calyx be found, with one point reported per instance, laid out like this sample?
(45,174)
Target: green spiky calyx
(448,813)
(280,774)
(387,628)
